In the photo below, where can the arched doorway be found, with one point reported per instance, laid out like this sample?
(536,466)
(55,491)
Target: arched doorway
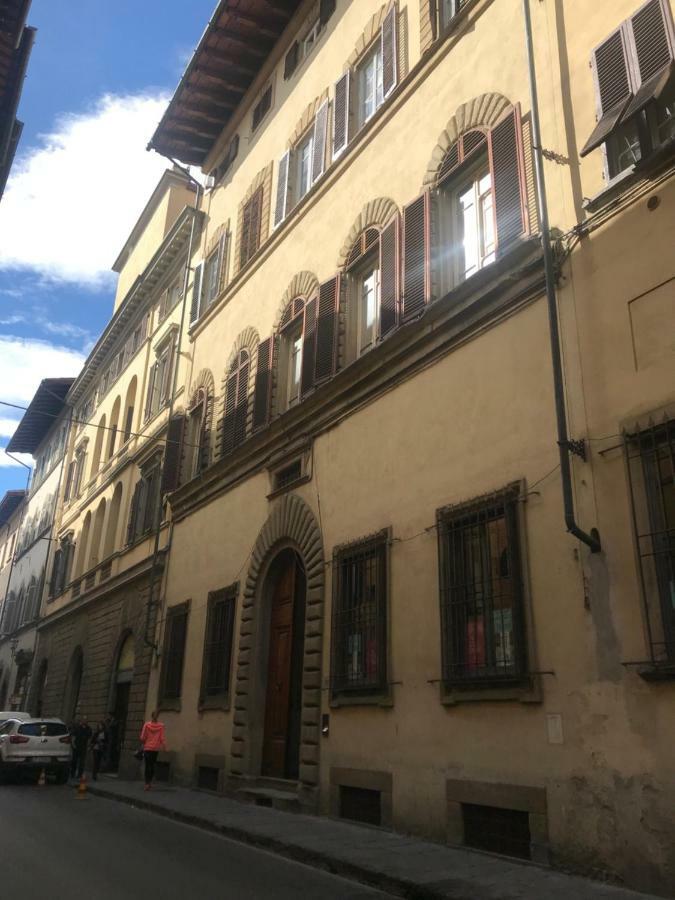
(285,589)
(71,696)
(119,708)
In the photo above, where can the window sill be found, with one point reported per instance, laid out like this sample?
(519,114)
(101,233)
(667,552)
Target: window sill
(658,673)
(641,171)
(384,700)
(217,703)
(528,691)
(169,705)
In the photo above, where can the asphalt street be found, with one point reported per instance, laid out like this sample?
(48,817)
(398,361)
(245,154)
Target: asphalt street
(54,845)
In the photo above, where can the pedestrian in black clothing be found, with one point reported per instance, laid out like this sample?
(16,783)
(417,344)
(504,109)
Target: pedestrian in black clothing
(99,744)
(80,736)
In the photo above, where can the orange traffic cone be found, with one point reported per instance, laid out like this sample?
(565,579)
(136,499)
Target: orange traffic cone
(42,780)
(82,789)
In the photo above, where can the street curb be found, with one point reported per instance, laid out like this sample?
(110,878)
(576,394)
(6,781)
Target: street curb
(392,884)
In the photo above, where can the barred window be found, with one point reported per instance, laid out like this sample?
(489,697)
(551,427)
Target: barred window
(359,664)
(651,469)
(483,634)
(174,652)
(218,642)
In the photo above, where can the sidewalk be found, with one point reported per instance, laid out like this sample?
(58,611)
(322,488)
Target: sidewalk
(403,866)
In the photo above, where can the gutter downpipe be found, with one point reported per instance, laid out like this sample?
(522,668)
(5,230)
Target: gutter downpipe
(147,638)
(592,540)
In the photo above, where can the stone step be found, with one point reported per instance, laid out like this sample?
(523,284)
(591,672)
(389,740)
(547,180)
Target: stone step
(287,801)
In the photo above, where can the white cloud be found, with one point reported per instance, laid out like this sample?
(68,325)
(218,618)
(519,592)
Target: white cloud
(7,427)
(8,462)
(24,363)
(71,202)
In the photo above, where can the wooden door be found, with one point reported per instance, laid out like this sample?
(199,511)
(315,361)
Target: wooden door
(277,704)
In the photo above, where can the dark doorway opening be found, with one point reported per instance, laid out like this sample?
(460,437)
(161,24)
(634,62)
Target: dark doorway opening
(117,724)
(283,704)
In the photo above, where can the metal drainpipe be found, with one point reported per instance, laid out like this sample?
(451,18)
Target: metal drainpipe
(591,540)
(147,638)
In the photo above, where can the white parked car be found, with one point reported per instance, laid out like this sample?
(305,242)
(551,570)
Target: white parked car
(30,745)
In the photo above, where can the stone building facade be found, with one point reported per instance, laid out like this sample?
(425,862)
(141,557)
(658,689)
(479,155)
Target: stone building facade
(420,567)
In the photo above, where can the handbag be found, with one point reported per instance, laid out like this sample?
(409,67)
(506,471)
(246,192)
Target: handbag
(138,754)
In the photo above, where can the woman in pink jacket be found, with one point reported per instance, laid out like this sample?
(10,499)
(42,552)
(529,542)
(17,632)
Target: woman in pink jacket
(152,740)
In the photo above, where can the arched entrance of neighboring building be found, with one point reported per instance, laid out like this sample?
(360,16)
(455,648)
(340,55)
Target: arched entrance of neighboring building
(285,590)
(71,696)
(119,707)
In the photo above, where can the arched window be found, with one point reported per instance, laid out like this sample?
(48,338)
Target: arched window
(98,445)
(236,402)
(110,544)
(97,533)
(114,426)
(363,294)
(292,330)
(129,406)
(467,222)
(82,546)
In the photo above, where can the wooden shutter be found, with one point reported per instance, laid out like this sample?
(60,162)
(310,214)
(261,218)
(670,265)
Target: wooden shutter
(389,51)
(56,574)
(505,147)
(389,276)
(326,329)
(222,261)
(172,454)
(67,562)
(245,236)
(326,10)
(613,87)
(308,348)
(196,293)
(416,273)
(152,377)
(229,413)
(256,221)
(341,115)
(651,35)
(291,61)
(434,16)
(133,513)
(241,407)
(282,189)
(263,384)
(320,138)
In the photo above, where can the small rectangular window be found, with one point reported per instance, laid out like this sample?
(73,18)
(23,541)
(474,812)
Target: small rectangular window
(360,805)
(262,107)
(207,778)
(218,642)
(174,652)
(287,476)
(497,830)
(359,662)
(483,635)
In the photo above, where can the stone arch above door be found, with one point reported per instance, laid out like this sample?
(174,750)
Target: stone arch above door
(290,524)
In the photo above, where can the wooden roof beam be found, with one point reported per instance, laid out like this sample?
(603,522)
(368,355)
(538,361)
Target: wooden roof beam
(258,22)
(221,78)
(215,102)
(245,40)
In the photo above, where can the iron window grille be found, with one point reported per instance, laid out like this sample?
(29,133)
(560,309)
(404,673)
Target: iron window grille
(481,592)
(174,652)
(650,456)
(360,587)
(218,642)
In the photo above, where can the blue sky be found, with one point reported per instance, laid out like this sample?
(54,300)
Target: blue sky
(99,77)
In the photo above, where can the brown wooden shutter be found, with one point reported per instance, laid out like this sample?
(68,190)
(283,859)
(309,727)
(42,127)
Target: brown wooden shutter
(389,276)
(241,407)
(291,61)
(282,189)
(172,454)
(228,413)
(651,34)
(320,139)
(416,272)
(308,348)
(341,115)
(133,513)
(195,302)
(613,87)
(224,261)
(245,237)
(326,330)
(389,51)
(56,574)
(505,147)
(433,17)
(263,384)
(256,221)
